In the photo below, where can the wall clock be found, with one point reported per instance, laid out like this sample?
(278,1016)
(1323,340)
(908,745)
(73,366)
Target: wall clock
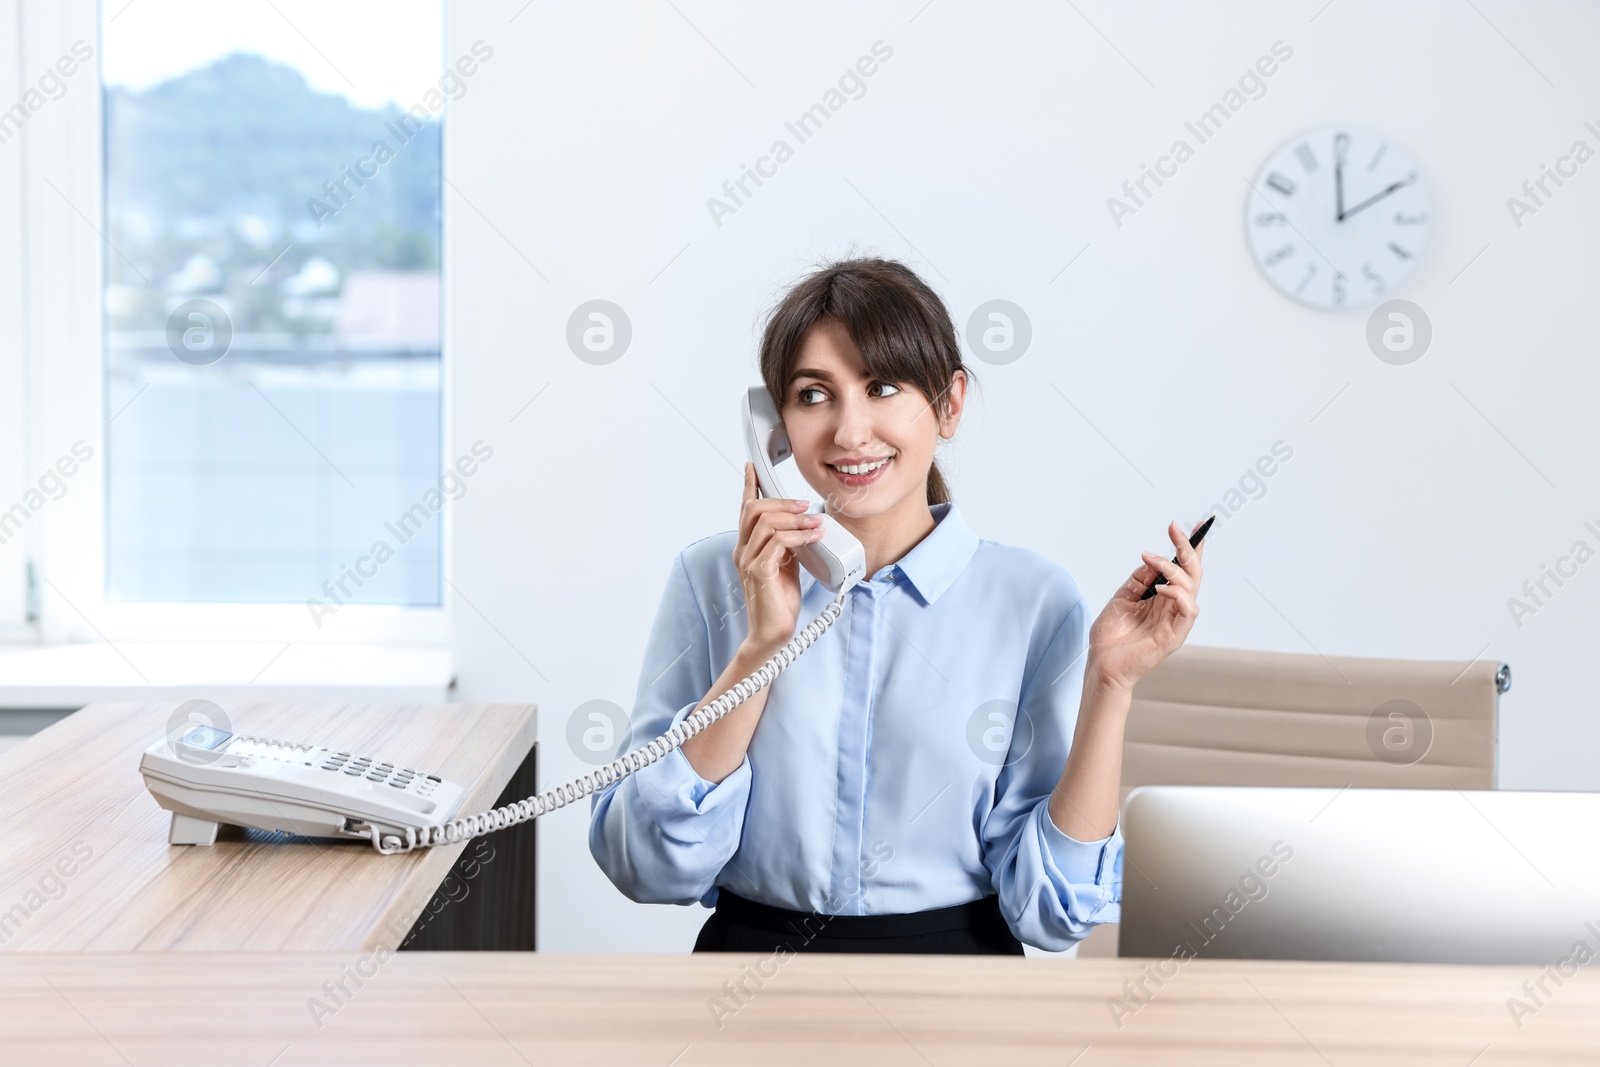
(1338,217)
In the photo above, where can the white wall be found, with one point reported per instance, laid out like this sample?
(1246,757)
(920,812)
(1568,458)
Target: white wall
(982,154)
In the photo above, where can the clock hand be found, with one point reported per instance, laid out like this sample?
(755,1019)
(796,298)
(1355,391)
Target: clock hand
(1340,143)
(1407,180)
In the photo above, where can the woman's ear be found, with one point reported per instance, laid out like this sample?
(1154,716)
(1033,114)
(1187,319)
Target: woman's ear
(954,402)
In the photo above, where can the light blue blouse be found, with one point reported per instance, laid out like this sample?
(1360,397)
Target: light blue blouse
(904,762)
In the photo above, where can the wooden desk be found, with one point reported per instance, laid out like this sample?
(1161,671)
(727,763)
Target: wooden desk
(85,865)
(525,1008)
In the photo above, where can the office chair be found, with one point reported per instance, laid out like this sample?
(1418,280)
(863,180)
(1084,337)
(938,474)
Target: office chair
(1239,717)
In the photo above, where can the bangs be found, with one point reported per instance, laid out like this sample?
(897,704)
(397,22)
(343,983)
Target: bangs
(899,326)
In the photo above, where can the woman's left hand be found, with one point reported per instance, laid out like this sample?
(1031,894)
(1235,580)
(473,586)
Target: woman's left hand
(1132,636)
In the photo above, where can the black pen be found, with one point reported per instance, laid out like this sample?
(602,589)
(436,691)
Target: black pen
(1194,542)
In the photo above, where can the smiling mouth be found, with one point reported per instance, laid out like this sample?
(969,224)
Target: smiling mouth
(869,473)
(857,469)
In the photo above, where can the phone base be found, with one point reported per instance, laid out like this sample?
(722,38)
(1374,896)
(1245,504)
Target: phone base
(187,830)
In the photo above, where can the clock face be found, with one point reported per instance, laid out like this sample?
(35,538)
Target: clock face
(1338,217)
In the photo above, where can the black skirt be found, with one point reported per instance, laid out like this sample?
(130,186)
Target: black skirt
(741,925)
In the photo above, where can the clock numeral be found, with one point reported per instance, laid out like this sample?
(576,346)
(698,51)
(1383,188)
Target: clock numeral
(1268,218)
(1311,272)
(1280,183)
(1377,155)
(1338,289)
(1341,147)
(1308,158)
(1397,250)
(1410,220)
(1374,277)
(1279,255)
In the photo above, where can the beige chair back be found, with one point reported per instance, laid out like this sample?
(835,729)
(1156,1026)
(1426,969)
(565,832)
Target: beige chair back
(1224,716)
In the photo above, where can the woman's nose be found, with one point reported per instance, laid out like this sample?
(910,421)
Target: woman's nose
(854,426)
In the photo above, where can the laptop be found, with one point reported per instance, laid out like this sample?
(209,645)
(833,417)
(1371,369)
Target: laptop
(1404,875)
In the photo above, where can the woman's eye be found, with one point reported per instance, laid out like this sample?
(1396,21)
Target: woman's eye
(800,394)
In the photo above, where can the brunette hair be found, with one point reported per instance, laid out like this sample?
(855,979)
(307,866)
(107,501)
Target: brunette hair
(900,326)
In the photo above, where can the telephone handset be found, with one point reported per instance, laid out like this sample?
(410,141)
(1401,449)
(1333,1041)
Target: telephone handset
(837,561)
(206,777)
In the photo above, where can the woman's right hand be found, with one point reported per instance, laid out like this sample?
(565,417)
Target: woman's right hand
(769,570)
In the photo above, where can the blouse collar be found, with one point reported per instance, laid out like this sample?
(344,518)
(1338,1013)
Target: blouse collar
(935,562)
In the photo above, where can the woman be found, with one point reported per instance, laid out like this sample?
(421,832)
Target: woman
(939,772)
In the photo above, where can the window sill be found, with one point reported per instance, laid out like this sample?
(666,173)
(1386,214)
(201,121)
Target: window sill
(70,676)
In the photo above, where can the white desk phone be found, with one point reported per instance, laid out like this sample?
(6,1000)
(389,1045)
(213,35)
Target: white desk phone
(206,776)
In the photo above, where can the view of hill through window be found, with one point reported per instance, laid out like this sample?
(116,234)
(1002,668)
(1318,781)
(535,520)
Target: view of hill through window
(272,334)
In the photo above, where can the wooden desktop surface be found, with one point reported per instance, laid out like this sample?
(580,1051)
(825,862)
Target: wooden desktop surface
(84,853)
(533,1008)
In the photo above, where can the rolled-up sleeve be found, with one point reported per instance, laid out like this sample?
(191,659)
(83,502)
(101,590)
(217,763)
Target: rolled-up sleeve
(663,834)
(1053,888)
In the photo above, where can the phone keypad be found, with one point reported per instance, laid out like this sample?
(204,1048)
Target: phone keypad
(403,778)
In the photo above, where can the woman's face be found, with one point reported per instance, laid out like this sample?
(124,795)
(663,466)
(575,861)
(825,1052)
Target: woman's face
(837,417)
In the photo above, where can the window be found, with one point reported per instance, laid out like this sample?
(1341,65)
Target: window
(272,302)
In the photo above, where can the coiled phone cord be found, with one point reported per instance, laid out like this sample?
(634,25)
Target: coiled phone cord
(469,826)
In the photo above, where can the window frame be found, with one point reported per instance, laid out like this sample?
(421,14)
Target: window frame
(14,457)
(63,261)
